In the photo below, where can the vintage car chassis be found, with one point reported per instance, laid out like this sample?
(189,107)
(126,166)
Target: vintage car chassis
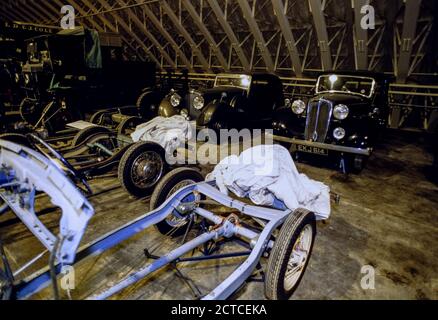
(77,211)
(23,173)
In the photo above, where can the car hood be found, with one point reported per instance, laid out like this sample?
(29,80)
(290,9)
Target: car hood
(341,98)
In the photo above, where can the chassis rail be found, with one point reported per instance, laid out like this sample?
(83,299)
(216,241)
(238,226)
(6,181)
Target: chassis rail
(224,227)
(23,172)
(45,176)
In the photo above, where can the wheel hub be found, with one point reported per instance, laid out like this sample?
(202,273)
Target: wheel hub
(175,219)
(298,258)
(147,169)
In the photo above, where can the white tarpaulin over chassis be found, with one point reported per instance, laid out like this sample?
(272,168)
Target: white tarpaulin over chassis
(267,172)
(169,133)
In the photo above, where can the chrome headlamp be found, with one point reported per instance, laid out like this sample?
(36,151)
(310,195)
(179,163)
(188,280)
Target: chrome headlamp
(175,99)
(339,133)
(298,106)
(198,101)
(341,111)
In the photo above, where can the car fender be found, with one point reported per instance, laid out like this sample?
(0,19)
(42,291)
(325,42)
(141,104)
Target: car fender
(165,109)
(286,123)
(211,112)
(358,141)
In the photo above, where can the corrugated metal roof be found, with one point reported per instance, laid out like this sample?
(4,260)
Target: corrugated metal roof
(220,35)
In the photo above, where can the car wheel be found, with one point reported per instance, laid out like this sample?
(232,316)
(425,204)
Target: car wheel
(141,167)
(290,255)
(358,163)
(85,133)
(3,206)
(172,182)
(102,117)
(29,110)
(16,138)
(128,123)
(6,283)
(147,104)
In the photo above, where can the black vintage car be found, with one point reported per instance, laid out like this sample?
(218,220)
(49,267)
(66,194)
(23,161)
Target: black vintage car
(235,101)
(342,120)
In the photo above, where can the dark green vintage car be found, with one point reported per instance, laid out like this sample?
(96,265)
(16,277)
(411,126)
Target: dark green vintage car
(235,101)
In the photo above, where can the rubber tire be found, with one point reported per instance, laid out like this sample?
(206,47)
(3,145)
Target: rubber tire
(358,165)
(126,162)
(83,134)
(140,98)
(96,118)
(280,254)
(161,193)
(6,288)
(145,101)
(124,124)
(29,119)
(16,138)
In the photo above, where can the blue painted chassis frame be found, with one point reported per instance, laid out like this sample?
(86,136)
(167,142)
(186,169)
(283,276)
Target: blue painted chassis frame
(224,228)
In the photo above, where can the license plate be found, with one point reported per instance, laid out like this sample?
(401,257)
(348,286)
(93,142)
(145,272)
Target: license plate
(311,149)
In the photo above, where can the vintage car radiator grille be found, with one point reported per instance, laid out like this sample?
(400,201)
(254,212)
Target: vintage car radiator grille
(318,119)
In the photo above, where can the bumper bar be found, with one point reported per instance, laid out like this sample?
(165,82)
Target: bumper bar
(333,147)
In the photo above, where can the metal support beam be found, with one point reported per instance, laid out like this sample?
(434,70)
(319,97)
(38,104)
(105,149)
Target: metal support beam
(213,45)
(127,30)
(288,36)
(23,14)
(168,10)
(94,23)
(47,6)
(82,12)
(230,33)
(321,32)
(42,13)
(9,15)
(257,34)
(166,35)
(360,36)
(141,26)
(412,11)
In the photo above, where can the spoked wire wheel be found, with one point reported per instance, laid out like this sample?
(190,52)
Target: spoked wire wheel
(298,258)
(141,167)
(146,169)
(6,276)
(290,255)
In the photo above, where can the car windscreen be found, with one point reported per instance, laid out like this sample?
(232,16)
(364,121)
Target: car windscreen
(348,84)
(239,81)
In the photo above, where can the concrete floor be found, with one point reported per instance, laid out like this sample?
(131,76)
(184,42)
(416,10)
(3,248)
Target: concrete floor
(387,219)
